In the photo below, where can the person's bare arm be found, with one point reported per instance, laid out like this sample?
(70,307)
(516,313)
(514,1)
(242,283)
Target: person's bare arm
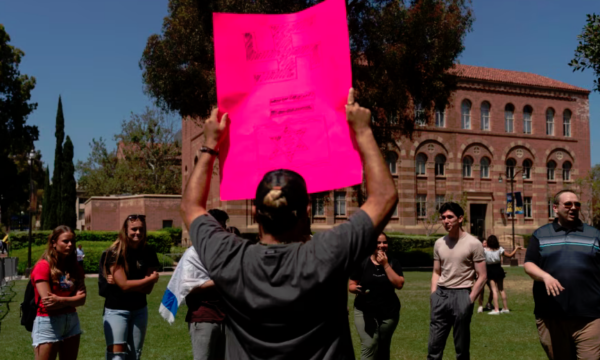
(435,277)
(120,279)
(354,287)
(481,271)
(208,286)
(54,302)
(553,286)
(396,280)
(511,254)
(383,195)
(193,202)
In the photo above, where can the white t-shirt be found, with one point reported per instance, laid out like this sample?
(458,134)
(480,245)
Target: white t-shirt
(493,256)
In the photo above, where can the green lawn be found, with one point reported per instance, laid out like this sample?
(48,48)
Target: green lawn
(511,336)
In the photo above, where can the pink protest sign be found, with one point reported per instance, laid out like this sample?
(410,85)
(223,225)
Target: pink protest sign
(284,81)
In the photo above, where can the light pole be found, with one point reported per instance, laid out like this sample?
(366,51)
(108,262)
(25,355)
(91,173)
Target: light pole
(512,197)
(30,158)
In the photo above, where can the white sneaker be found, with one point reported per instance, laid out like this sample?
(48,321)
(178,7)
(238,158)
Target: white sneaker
(493,312)
(503,311)
(480,309)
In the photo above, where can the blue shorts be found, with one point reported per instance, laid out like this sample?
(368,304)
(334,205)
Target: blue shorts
(49,329)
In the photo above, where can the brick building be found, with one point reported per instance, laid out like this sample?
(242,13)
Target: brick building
(498,124)
(107,213)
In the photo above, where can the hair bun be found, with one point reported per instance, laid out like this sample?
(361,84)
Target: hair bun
(275,199)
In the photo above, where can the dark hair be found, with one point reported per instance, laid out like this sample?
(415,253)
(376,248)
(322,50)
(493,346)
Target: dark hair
(558,194)
(492,242)
(281,200)
(219,215)
(234,230)
(387,238)
(452,206)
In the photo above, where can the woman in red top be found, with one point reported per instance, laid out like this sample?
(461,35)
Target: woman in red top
(59,288)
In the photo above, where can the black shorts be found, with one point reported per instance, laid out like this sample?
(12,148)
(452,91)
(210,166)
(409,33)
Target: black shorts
(495,272)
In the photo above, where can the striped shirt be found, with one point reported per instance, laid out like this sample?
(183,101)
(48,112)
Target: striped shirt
(571,256)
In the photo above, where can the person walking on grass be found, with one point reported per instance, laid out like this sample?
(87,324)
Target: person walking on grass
(563,259)
(286,297)
(495,274)
(457,258)
(59,288)
(129,266)
(376,307)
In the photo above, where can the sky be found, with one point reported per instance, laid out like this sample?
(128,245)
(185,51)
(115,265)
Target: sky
(87,52)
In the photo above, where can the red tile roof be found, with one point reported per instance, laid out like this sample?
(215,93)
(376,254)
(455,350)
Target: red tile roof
(511,77)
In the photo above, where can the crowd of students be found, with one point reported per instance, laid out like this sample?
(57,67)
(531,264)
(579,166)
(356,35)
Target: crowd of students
(285,297)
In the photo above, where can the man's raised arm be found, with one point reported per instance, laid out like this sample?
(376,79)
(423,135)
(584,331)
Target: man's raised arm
(383,195)
(193,202)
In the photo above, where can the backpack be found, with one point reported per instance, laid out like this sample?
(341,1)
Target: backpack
(29,307)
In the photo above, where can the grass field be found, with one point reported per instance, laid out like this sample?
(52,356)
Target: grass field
(512,336)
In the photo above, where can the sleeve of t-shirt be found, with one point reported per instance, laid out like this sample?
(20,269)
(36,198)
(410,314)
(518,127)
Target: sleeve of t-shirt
(213,244)
(478,253)
(533,251)
(348,244)
(501,251)
(41,272)
(436,256)
(397,267)
(151,258)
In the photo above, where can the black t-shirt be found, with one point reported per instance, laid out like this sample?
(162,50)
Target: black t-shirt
(138,261)
(285,301)
(378,297)
(573,258)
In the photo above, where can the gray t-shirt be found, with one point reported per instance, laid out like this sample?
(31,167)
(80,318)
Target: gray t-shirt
(285,301)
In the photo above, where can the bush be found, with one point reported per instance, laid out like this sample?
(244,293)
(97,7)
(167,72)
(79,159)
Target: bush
(412,250)
(175,234)
(526,238)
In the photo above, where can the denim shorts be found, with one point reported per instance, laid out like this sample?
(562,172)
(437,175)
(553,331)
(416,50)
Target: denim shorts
(49,329)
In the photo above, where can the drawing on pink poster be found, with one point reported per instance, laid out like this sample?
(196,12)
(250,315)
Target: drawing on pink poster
(284,81)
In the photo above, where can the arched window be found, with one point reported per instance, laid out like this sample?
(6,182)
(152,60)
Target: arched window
(420,164)
(566,170)
(527,111)
(485,115)
(527,168)
(484,170)
(567,123)
(551,168)
(550,121)
(440,120)
(391,158)
(440,163)
(509,118)
(510,168)
(467,166)
(466,114)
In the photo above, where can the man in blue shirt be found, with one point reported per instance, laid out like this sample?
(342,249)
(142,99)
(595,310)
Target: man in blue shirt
(563,258)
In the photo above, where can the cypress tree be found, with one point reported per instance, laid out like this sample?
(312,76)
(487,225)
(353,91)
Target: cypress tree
(54,213)
(68,213)
(46,201)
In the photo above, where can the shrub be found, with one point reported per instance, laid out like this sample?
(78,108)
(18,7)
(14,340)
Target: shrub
(175,234)
(412,250)
(526,239)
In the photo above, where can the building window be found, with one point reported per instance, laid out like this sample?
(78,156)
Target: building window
(527,168)
(567,123)
(527,111)
(318,205)
(392,160)
(340,204)
(527,206)
(510,168)
(485,115)
(566,171)
(484,170)
(550,208)
(167,224)
(420,164)
(466,114)
(551,167)
(467,166)
(421,205)
(81,214)
(439,201)
(549,122)
(509,118)
(420,115)
(440,120)
(440,163)
(395,214)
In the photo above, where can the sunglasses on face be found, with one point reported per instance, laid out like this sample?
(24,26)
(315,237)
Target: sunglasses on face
(570,204)
(136,217)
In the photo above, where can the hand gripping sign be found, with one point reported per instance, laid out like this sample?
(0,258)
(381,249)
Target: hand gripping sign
(284,81)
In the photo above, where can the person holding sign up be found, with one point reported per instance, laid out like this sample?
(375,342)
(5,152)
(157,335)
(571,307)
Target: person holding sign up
(286,297)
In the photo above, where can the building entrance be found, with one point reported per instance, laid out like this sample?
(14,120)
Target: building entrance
(477,220)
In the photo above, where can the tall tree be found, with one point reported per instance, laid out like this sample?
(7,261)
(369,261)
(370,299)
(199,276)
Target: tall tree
(587,54)
(46,200)
(16,137)
(402,53)
(68,212)
(54,213)
(147,159)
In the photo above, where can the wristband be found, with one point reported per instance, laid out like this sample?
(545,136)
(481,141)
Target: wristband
(209,150)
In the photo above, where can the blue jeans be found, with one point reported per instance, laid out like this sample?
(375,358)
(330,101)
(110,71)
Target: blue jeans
(125,327)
